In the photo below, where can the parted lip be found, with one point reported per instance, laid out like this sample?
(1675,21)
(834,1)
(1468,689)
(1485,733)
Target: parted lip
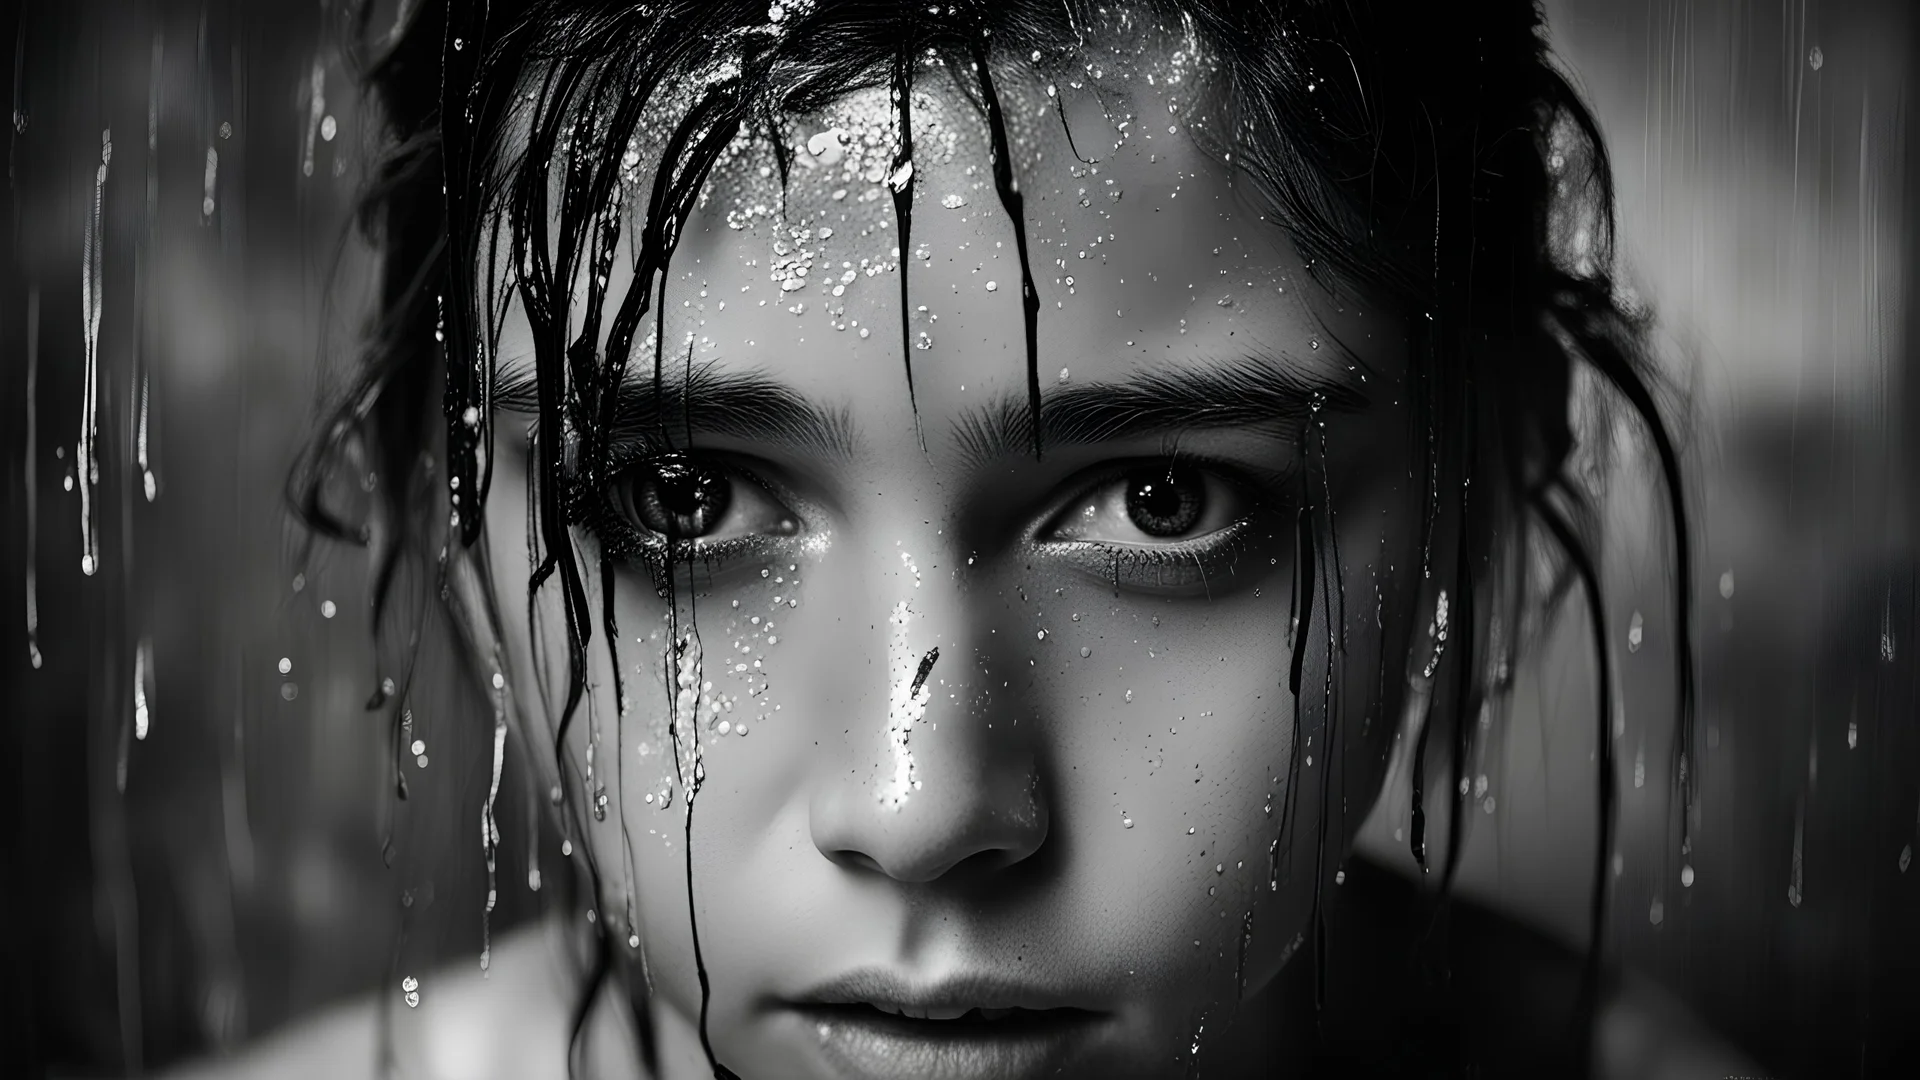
(947,998)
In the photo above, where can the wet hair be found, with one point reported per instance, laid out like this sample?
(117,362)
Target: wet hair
(1429,157)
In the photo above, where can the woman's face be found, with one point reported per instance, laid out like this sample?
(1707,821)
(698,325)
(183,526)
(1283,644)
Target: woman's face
(976,729)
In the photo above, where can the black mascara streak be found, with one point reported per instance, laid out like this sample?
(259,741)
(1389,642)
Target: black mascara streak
(903,211)
(926,665)
(1060,107)
(1331,750)
(1302,626)
(1303,557)
(1013,202)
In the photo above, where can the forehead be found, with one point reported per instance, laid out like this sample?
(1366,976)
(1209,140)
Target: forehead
(1145,251)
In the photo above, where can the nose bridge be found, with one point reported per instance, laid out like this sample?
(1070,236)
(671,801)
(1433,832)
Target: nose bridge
(926,783)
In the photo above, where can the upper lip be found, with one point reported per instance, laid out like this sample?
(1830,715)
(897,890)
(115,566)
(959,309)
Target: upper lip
(940,999)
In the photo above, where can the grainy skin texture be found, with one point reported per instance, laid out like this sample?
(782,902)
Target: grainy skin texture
(1098,772)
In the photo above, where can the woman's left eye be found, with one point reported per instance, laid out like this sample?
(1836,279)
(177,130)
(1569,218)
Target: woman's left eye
(683,499)
(1150,506)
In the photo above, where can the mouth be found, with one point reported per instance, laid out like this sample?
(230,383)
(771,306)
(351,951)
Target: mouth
(871,1024)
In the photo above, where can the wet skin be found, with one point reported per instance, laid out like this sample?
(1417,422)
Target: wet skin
(1078,812)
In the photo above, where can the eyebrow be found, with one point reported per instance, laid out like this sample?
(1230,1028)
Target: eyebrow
(1249,391)
(746,405)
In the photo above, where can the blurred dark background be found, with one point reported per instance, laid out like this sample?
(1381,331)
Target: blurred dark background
(196,799)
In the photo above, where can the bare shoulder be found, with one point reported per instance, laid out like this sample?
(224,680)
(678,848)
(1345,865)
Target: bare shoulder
(512,1021)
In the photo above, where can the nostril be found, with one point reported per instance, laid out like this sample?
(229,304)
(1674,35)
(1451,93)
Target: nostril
(857,859)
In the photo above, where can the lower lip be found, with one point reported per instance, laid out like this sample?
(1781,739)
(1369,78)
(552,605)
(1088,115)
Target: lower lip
(862,1042)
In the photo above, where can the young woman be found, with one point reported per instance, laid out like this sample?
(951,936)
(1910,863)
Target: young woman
(964,505)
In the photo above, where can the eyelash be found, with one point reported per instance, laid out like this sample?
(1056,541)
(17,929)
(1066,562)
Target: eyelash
(598,512)
(1196,560)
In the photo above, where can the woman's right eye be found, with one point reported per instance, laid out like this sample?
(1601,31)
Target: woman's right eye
(682,499)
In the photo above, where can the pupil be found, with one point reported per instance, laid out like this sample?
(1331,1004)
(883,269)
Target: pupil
(1165,502)
(680,500)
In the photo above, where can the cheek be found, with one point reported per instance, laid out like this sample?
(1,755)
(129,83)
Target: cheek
(1175,761)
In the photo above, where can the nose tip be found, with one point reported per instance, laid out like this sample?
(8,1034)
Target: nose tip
(986,824)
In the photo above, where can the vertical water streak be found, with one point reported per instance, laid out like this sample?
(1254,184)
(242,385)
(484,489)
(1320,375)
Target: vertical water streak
(210,184)
(92,276)
(143,689)
(489,828)
(31,470)
(316,111)
(1794,894)
(150,486)
(142,458)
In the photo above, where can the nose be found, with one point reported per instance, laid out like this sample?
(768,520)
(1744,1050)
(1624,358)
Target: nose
(931,777)
(970,811)
(973,808)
